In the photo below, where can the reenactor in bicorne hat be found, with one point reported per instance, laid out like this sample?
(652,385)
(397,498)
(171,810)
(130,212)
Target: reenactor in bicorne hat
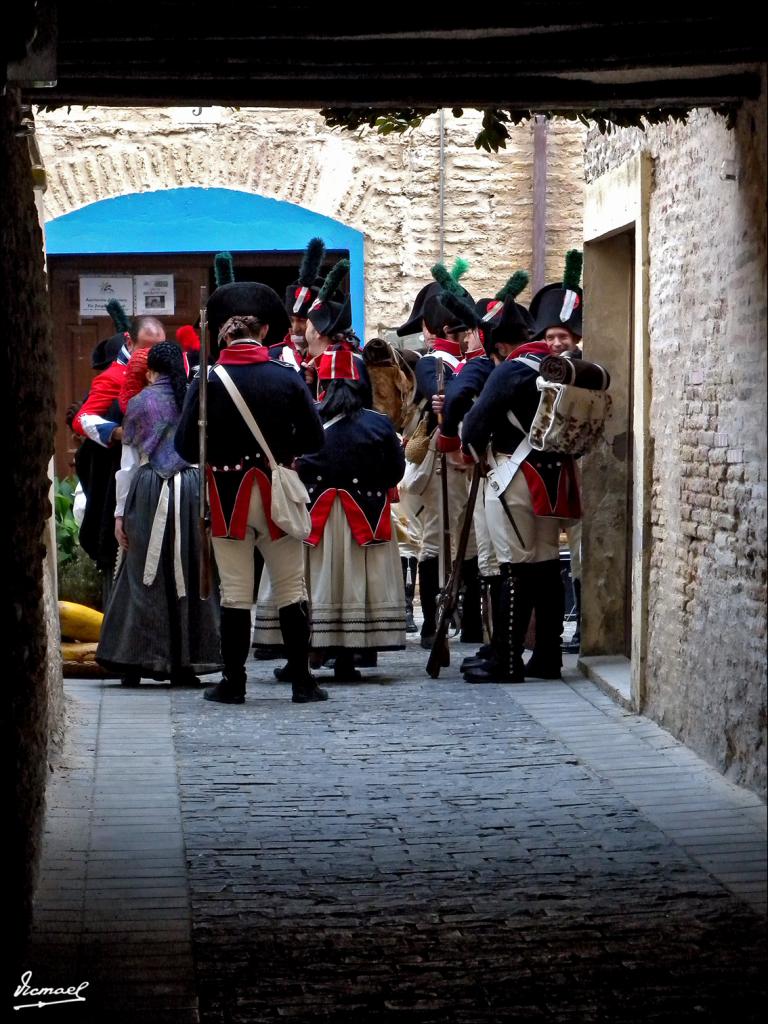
(244,318)
(502,324)
(98,421)
(329,327)
(530,493)
(558,311)
(446,336)
(299,296)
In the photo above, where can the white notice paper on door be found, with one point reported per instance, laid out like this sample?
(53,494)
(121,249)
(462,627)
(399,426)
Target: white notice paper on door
(154,295)
(95,293)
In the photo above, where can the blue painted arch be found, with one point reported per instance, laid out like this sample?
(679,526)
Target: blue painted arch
(204,220)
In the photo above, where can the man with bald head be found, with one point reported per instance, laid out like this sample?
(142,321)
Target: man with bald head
(98,423)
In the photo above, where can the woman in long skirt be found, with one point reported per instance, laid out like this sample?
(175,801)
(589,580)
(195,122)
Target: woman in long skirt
(354,575)
(156,625)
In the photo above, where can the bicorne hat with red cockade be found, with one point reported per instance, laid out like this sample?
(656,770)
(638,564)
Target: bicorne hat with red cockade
(331,312)
(300,295)
(560,304)
(502,318)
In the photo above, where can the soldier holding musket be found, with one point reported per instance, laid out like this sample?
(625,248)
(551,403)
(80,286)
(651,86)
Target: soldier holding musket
(446,337)
(502,324)
(245,317)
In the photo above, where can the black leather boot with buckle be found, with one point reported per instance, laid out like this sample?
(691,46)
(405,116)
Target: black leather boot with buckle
(515,604)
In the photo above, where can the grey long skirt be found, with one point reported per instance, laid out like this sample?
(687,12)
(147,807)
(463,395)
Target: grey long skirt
(147,627)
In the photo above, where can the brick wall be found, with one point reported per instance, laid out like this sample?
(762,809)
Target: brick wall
(385,187)
(706,671)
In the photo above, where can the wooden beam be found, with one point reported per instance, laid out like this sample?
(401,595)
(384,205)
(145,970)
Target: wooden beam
(498,88)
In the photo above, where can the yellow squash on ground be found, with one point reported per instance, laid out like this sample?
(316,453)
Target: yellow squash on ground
(78,652)
(79,623)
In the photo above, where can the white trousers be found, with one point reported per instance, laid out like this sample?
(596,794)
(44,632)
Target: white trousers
(486,553)
(283,561)
(432,514)
(539,539)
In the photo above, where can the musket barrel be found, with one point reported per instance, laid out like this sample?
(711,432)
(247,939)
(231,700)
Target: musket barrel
(202,422)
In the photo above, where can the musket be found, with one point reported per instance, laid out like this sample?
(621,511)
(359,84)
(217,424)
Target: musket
(444,483)
(440,655)
(202,423)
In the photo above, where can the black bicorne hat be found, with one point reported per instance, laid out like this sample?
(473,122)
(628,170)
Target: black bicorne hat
(560,304)
(502,318)
(331,312)
(247,298)
(301,293)
(107,351)
(428,298)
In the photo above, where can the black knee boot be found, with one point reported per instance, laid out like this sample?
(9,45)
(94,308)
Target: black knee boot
(235,645)
(294,625)
(471,617)
(514,613)
(429,588)
(409,583)
(546,662)
(492,587)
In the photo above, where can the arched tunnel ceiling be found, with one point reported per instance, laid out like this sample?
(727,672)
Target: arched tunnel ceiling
(535,54)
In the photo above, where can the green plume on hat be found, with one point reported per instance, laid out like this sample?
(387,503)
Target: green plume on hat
(119,317)
(336,275)
(223,268)
(514,286)
(574,260)
(459,268)
(449,283)
(460,308)
(310,264)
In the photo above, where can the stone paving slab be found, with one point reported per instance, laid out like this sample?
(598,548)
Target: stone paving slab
(112,907)
(410,850)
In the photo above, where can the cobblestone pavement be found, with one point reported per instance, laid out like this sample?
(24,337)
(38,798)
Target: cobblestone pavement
(430,850)
(409,850)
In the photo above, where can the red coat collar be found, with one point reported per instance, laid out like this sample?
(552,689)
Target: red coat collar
(451,347)
(530,348)
(243,353)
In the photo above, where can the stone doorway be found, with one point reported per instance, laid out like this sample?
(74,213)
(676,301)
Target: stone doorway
(616,492)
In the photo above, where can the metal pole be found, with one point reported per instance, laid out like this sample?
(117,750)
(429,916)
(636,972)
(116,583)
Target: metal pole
(441,184)
(539,241)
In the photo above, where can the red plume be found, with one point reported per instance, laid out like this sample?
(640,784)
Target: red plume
(188,338)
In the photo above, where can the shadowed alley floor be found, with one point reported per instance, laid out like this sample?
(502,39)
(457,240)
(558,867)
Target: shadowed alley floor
(419,850)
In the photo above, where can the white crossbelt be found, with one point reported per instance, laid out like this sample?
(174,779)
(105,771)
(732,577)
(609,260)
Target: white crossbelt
(157,534)
(502,473)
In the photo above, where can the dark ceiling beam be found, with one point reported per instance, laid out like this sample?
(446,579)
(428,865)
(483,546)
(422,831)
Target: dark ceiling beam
(577,49)
(500,90)
(399,19)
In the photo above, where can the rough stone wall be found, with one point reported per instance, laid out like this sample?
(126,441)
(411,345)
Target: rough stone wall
(706,675)
(28,406)
(388,188)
